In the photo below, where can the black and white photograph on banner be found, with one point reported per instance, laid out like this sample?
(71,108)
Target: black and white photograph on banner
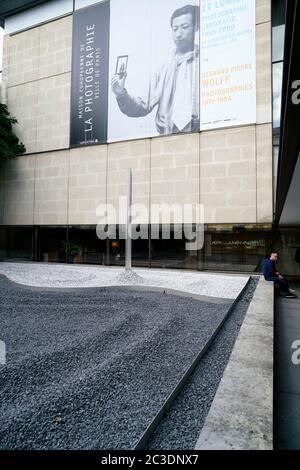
(154,68)
(121,66)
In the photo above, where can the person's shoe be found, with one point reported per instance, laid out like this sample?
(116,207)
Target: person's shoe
(290,295)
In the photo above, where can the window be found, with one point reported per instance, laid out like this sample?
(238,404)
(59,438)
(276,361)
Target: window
(278,31)
(277,93)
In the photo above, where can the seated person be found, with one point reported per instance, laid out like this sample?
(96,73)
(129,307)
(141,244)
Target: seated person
(270,274)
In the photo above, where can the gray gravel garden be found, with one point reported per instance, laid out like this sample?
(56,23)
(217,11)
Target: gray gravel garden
(89,368)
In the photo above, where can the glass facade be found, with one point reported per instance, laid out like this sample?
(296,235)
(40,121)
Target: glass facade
(1,50)
(288,245)
(84,246)
(236,248)
(172,253)
(16,243)
(277,70)
(278,32)
(51,242)
(226,248)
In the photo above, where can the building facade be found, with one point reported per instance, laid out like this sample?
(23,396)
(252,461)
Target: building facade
(49,196)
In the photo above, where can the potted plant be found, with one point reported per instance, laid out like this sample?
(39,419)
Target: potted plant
(72,250)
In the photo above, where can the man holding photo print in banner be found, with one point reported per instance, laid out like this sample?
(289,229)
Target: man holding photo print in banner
(174,89)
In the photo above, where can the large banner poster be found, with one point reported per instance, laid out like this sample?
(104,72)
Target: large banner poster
(157,43)
(144,68)
(228,63)
(89,92)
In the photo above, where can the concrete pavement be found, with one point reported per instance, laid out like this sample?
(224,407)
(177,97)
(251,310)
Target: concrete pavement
(287,374)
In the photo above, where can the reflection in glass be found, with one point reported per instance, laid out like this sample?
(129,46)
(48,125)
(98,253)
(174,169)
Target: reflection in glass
(277,91)
(278,43)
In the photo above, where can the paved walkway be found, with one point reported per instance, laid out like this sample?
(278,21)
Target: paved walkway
(287,386)
(241,415)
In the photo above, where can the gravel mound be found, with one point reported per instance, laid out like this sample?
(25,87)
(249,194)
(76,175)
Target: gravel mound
(130,278)
(78,276)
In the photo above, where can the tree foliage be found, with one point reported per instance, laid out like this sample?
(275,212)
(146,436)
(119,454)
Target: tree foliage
(10,147)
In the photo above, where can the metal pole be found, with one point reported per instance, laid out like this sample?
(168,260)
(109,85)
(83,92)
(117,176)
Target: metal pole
(128,227)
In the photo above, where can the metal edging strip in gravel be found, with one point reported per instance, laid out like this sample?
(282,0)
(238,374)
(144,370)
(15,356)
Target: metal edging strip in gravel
(179,293)
(140,445)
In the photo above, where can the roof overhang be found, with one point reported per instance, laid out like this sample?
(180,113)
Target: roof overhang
(12,7)
(287,183)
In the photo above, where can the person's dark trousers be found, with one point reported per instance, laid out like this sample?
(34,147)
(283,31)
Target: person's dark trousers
(282,285)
